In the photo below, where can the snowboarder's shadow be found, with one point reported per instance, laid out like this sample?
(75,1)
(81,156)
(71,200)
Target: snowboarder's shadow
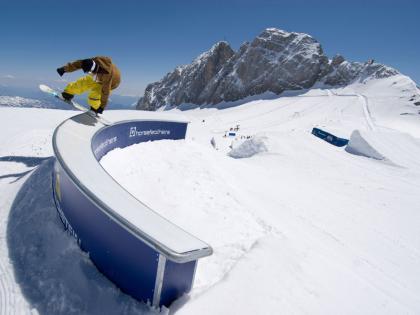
(85,119)
(29,161)
(54,275)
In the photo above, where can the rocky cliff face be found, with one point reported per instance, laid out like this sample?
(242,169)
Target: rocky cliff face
(274,61)
(186,83)
(342,72)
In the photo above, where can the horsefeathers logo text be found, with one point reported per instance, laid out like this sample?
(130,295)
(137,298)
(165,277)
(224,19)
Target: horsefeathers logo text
(150,132)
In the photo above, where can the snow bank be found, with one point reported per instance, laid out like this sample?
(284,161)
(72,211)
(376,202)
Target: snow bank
(55,276)
(393,147)
(189,184)
(249,148)
(359,145)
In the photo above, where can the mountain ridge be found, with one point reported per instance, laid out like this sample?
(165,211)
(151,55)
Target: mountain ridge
(274,61)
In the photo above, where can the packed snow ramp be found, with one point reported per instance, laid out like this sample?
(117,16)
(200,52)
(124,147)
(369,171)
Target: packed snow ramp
(393,147)
(146,255)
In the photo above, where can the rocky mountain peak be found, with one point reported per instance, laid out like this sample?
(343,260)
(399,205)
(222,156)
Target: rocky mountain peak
(273,61)
(338,59)
(185,83)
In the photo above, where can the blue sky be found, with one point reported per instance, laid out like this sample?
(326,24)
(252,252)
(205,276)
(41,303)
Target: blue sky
(147,39)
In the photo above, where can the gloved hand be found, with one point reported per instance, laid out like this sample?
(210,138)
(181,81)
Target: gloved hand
(67,96)
(98,111)
(61,71)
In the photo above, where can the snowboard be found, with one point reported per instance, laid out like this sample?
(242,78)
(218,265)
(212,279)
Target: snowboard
(46,89)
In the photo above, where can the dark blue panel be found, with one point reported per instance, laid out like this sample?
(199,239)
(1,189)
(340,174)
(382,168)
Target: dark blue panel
(177,280)
(334,140)
(123,258)
(128,133)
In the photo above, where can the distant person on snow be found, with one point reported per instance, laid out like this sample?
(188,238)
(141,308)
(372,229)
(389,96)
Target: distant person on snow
(102,77)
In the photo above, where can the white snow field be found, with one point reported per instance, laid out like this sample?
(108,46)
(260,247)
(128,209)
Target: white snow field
(297,225)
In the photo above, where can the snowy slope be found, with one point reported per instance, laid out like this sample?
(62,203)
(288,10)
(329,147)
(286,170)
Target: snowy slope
(297,225)
(302,227)
(42,270)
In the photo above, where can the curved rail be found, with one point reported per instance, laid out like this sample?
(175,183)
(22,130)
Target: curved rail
(146,255)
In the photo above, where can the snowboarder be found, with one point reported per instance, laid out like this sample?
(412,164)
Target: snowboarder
(102,77)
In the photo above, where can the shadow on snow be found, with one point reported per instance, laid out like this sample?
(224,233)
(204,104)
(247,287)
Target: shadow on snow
(55,276)
(29,161)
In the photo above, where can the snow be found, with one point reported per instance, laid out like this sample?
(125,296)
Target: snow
(297,225)
(249,148)
(17,101)
(394,147)
(42,270)
(360,146)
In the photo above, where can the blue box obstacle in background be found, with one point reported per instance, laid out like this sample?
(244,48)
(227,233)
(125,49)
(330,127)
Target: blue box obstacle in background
(135,263)
(334,140)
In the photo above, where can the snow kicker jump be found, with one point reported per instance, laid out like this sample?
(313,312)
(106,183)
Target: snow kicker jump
(147,256)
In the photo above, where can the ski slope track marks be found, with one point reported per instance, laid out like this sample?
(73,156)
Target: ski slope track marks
(368,116)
